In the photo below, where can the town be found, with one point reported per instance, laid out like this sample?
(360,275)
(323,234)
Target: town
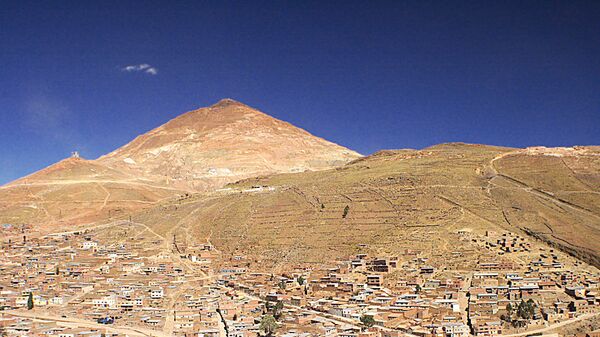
(124,279)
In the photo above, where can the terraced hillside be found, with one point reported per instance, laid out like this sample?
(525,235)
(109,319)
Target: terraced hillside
(397,200)
(553,196)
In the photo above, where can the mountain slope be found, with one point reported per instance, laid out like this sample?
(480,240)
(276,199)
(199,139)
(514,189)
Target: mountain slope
(223,143)
(398,200)
(198,151)
(77,190)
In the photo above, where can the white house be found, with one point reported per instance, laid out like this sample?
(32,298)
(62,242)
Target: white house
(105,302)
(89,244)
(156,293)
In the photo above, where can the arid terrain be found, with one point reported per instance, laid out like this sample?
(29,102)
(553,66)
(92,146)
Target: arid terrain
(175,170)
(198,151)
(225,218)
(396,198)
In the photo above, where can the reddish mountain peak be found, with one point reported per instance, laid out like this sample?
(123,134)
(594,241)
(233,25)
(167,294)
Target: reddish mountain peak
(224,142)
(226,111)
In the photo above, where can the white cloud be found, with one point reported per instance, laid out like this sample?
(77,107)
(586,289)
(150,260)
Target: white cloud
(144,67)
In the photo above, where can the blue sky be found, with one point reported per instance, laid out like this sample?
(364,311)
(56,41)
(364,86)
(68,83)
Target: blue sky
(368,75)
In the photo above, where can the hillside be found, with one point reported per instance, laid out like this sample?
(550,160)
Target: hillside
(200,150)
(398,200)
(76,190)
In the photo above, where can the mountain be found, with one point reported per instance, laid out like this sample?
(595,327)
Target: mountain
(255,185)
(200,150)
(399,201)
(206,148)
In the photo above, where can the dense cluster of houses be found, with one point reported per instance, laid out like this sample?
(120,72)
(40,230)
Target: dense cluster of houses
(407,295)
(196,291)
(76,275)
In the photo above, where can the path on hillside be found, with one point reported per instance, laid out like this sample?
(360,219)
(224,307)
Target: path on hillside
(554,326)
(168,246)
(108,225)
(88,181)
(536,191)
(105,201)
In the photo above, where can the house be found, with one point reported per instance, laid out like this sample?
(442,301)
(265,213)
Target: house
(492,328)
(105,302)
(575,291)
(581,307)
(455,329)
(298,301)
(479,276)
(56,300)
(208,333)
(156,293)
(89,244)
(374,280)
(40,301)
